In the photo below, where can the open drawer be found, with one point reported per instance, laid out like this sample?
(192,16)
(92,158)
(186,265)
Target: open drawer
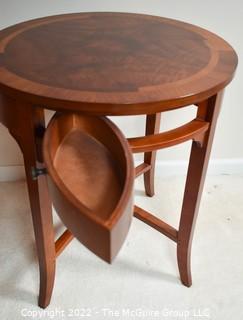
(90,176)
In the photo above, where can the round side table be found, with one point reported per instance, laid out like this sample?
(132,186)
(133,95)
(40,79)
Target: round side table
(103,64)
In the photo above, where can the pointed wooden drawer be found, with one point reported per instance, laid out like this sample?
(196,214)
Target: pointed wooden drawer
(90,175)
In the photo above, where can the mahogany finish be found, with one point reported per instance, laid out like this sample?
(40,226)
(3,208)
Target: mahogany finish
(198,163)
(88,158)
(63,241)
(113,63)
(152,127)
(192,130)
(25,124)
(107,64)
(156,223)
(141,169)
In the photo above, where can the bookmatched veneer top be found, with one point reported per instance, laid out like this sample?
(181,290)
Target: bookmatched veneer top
(113,63)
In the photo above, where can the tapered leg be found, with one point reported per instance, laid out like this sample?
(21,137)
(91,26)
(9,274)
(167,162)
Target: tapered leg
(198,163)
(152,127)
(26,126)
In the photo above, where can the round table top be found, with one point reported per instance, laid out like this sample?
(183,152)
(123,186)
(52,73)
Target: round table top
(113,63)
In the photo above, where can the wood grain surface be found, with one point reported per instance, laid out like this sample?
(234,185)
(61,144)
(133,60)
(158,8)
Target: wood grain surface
(113,63)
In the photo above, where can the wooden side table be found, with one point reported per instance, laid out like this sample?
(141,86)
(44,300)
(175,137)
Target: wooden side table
(103,64)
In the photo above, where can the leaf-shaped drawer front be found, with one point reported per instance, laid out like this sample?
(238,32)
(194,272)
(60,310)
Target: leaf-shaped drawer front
(90,175)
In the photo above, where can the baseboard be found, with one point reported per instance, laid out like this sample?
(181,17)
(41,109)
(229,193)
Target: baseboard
(216,167)
(163,168)
(12,173)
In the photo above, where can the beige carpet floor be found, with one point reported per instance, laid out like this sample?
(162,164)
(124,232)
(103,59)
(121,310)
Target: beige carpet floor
(143,281)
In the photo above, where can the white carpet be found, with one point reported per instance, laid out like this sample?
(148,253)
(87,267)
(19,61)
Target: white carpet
(143,282)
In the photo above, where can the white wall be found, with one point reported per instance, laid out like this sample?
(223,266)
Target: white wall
(220,16)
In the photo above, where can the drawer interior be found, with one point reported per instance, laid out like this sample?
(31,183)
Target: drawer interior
(88,170)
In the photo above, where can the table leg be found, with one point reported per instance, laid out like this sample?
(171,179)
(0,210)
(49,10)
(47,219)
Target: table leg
(198,163)
(26,126)
(152,127)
